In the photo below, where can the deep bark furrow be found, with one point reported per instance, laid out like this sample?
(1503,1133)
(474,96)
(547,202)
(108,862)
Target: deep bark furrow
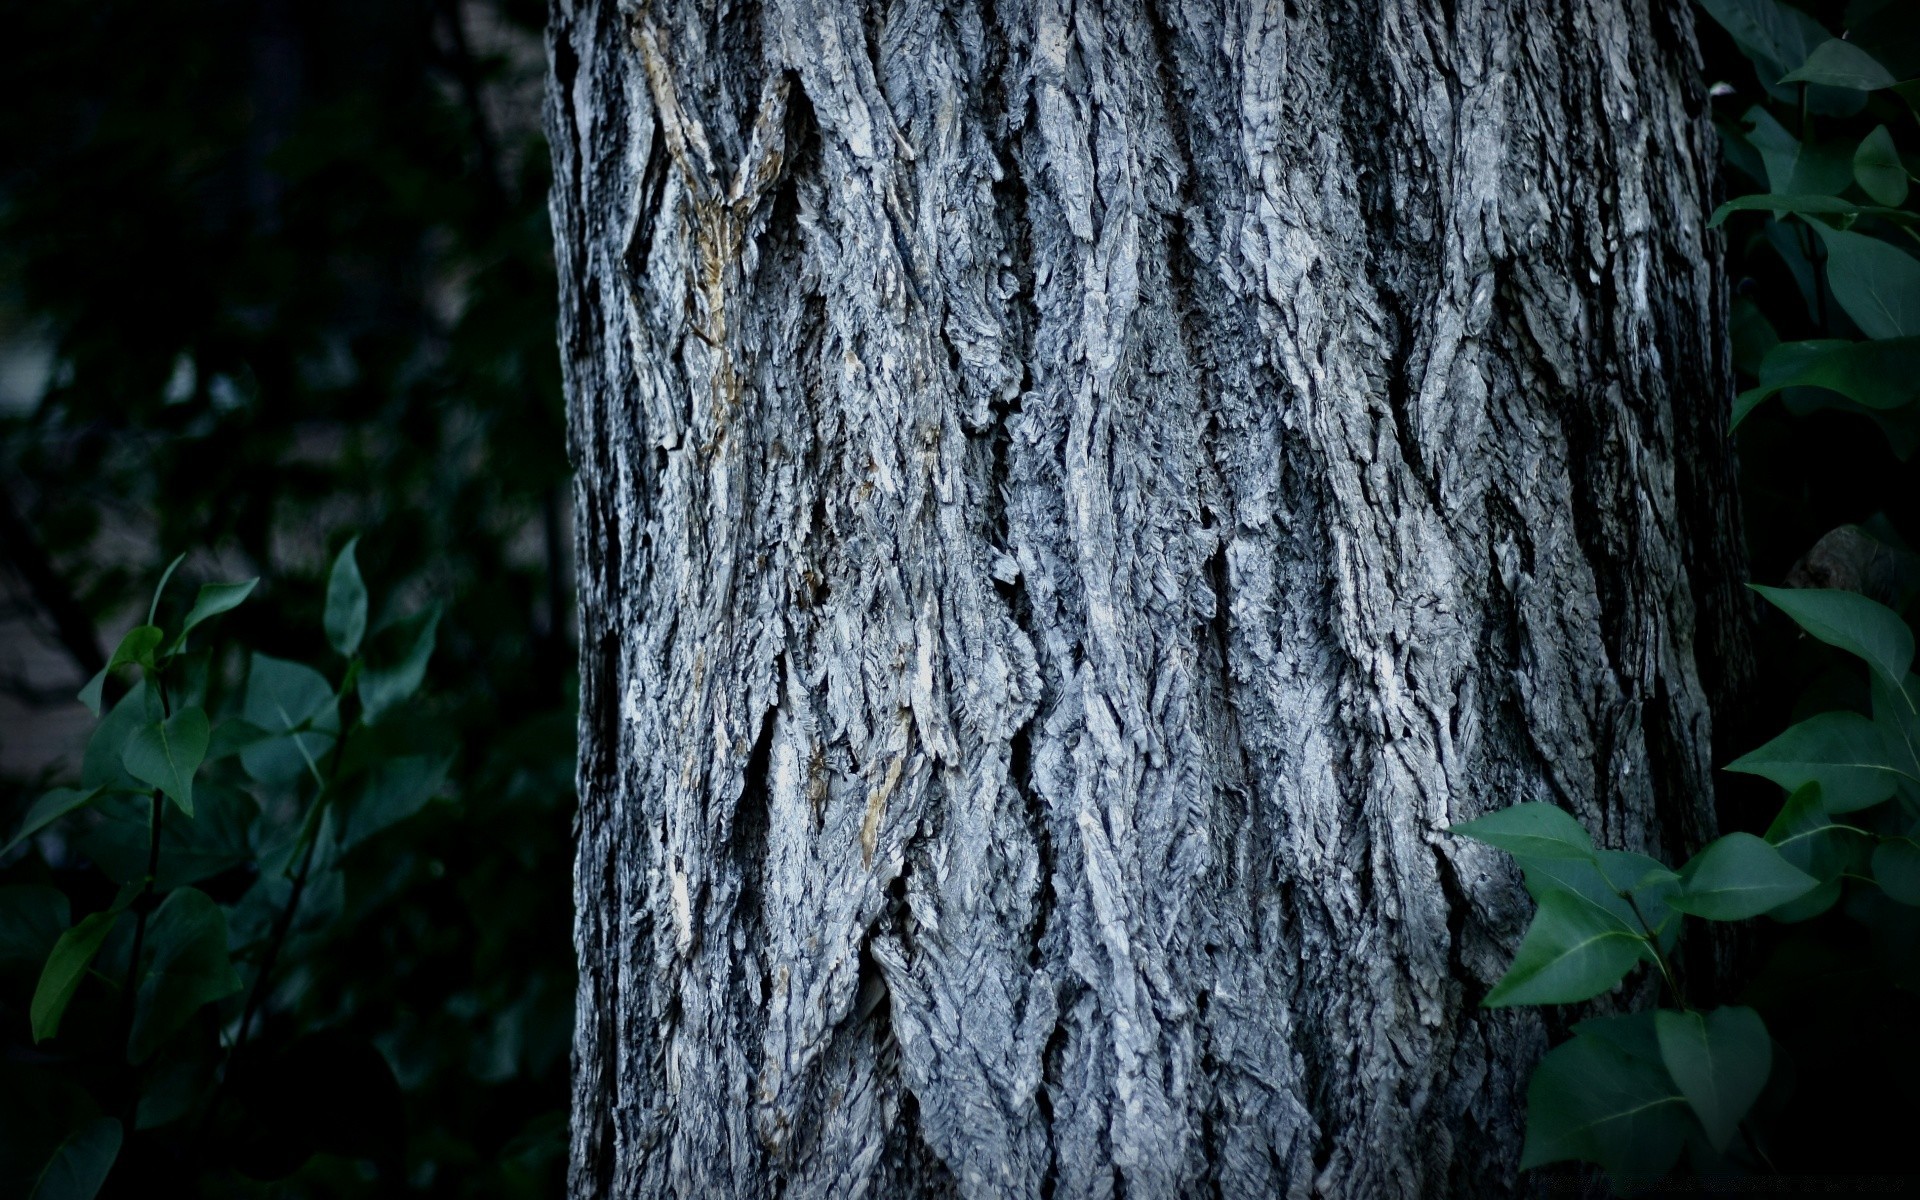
(1074,500)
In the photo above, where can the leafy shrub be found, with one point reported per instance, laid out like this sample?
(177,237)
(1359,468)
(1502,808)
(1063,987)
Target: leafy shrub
(218,819)
(1633,1092)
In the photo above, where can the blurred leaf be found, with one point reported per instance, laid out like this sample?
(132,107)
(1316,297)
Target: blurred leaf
(65,968)
(80,1166)
(1591,1101)
(1896,868)
(1817,205)
(1844,65)
(1796,168)
(214,599)
(283,697)
(1878,170)
(101,765)
(1531,830)
(136,648)
(393,678)
(32,918)
(1720,1061)
(1738,876)
(346,614)
(1876,284)
(184,966)
(48,809)
(215,839)
(393,791)
(231,736)
(1572,952)
(160,589)
(166,754)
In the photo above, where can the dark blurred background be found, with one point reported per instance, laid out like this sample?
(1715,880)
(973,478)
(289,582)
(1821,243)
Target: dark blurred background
(272,275)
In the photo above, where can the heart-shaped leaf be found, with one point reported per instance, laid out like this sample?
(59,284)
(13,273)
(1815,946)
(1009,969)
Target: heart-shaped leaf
(1877,285)
(1835,63)
(1530,830)
(184,966)
(1736,877)
(1720,1061)
(1877,168)
(1573,951)
(1592,1100)
(165,754)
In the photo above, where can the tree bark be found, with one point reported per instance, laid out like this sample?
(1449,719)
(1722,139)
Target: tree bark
(1073,499)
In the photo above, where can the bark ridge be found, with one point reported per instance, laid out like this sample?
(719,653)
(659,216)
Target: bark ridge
(1073,500)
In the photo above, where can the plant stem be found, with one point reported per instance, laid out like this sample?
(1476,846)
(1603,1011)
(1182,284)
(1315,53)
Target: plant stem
(1659,959)
(141,906)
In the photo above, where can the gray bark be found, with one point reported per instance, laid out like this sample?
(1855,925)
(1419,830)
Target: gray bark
(1073,500)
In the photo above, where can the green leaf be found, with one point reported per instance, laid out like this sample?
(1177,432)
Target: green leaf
(1807,907)
(65,968)
(1649,885)
(1736,877)
(231,736)
(215,839)
(1796,168)
(1813,205)
(1896,867)
(100,766)
(1877,375)
(1778,33)
(1877,285)
(398,676)
(1630,1033)
(48,809)
(1572,952)
(93,692)
(184,966)
(346,616)
(296,704)
(80,1163)
(393,791)
(1591,1101)
(136,648)
(1862,627)
(1531,830)
(153,609)
(1843,752)
(165,754)
(1835,63)
(214,599)
(32,918)
(1720,1061)
(1878,170)
(1811,840)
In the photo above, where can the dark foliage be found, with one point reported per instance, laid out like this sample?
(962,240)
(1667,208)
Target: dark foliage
(270,275)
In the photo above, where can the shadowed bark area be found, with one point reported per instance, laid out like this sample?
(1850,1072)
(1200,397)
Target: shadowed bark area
(1073,500)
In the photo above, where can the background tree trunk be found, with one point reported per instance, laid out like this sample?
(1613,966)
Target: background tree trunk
(1073,500)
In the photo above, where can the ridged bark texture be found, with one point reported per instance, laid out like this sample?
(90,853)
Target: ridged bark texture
(1074,498)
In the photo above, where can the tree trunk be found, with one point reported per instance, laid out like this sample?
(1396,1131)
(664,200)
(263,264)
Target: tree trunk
(1073,501)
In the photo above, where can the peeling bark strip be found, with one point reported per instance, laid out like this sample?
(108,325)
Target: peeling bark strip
(1073,500)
